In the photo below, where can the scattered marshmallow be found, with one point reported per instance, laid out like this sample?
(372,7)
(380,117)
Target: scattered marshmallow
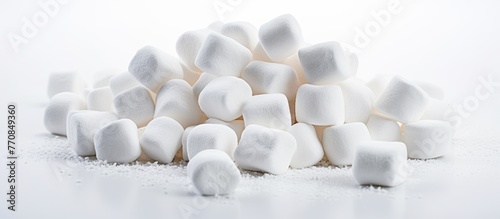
(358,99)
(162,139)
(188,45)
(243,32)
(236,125)
(135,104)
(281,37)
(122,82)
(321,105)
(184,138)
(309,150)
(340,142)
(101,99)
(268,78)
(56,113)
(383,129)
(118,142)
(427,139)
(202,82)
(65,82)
(82,127)
(431,89)
(269,110)
(211,136)
(177,101)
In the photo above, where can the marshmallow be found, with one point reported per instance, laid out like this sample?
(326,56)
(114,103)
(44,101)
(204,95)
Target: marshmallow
(268,78)
(101,78)
(259,54)
(190,76)
(320,105)
(223,98)
(378,83)
(353,61)
(431,89)
(162,139)
(265,149)
(402,101)
(122,82)
(65,82)
(213,172)
(236,125)
(243,32)
(340,142)
(380,163)
(118,142)
(383,129)
(309,150)
(294,62)
(202,82)
(188,45)
(184,138)
(82,126)
(358,100)
(177,101)
(101,99)
(56,113)
(153,67)
(222,56)
(281,37)
(211,136)
(436,110)
(135,104)
(269,110)
(325,63)
(426,139)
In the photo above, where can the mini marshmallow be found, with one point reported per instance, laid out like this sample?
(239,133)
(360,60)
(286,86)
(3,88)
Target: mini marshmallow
(202,82)
(122,82)
(243,32)
(101,99)
(135,104)
(378,83)
(358,100)
(436,110)
(213,172)
(321,105)
(236,125)
(427,139)
(211,136)
(309,150)
(82,127)
(265,149)
(268,78)
(185,135)
(402,101)
(190,76)
(101,78)
(281,37)
(269,110)
(383,129)
(188,45)
(222,56)
(56,113)
(65,82)
(381,163)
(162,139)
(325,63)
(153,67)
(340,142)
(177,101)
(118,142)
(431,89)
(259,54)
(223,98)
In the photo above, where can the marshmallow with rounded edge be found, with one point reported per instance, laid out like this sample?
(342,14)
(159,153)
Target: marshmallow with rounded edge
(236,125)
(135,104)
(188,45)
(213,172)
(122,82)
(211,136)
(202,82)
(269,110)
(118,142)
(101,99)
(309,150)
(383,129)
(184,138)
(162,139)
(381,163)
(427,139)
(241,31)
(340,142)
(268,78)
(153,67)
(82,127)
(177,101)
(378,83)
(431,89)
(320,105)
(56,113)
(65,82)
(280,37)
(223,98)
(265,149)
(358,100)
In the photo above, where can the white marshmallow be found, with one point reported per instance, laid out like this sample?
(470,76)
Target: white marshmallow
(380,163)
(265,149)
(426,139)
(243,32)
(268,78)
(190,76)
(82,127)
(153,67)
(269,110)
(222,56)
(188,45)
(320,105)
(185,135)
(436,110)
(402,101)
(118,142)
(236,125)
(101,78)
(162,139)
(135,104)
(213,172)
(177,101)
(431,89)
(101,99)
(223,98)
(281,37)
(211,136)
(325,63)
(294,62)
(340,142)
(65,82)
(259,54)
(378,83)
(122,82)
(309,150)
(358,100)
(383,129)
(56,113)
(202,82)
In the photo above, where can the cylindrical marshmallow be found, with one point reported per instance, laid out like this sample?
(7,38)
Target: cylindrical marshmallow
(188,45)
(118,142)
(340,142)
(427,139)
(320,105)
(268,78)
(211,136)
(101,99)
(162,139)
(383,129)
(135,104)
(281,37)
(82,127)
(243,32)
(269,110)
(358,100)
(122,82)
(309,150)
(202,82)
(177,101)
(57,110)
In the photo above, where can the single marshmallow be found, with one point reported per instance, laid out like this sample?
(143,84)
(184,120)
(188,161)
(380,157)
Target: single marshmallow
(265,149)
(426,139)
(259,54)
(436,110)
(185,135)
(320,105)
(162,139)
(56,113)
(236,125)
(190,76)
(358,100)
(82,127)
(101,78)
(243,32)
(101,99)
(213,172)
(202,82)
(118,142)
(381,163)
(268,78)
(383,129)
(188,45)
(269,110)
(309,150)
(378,83)
(294,62)
(340,142)
(135,104)
(122,82)
(153,67)
(177,101)
(325,63)
(281,37)
(402,101)
(222,56)
(431,89)
(211,136)
(65,82)
(223,98)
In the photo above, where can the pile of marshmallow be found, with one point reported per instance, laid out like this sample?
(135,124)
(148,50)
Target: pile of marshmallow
(238,97)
